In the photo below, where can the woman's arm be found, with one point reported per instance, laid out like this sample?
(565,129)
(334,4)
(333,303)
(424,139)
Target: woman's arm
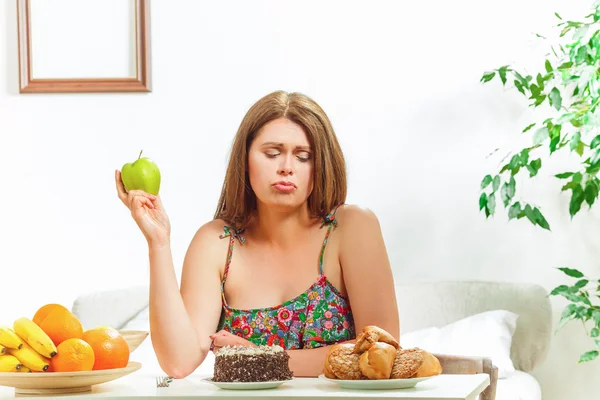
(369,282)
(309,362)
(366,271)
(182,320)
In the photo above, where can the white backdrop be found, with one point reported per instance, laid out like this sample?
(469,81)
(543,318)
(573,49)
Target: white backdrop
(400,81)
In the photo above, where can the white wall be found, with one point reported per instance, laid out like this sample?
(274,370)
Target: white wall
(400,81)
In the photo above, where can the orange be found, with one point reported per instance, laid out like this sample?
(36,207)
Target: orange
(44,311)
(72,355)
(110,348)
(61,324)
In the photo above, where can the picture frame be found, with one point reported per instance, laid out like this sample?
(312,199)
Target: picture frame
(140,61)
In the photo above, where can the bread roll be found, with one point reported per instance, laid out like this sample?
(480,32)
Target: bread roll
(377,361)
(342,362)
(406,363)
(431,366)
(370,335)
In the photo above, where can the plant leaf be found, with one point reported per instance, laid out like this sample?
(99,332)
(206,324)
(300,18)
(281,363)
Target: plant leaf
(534,167)
(528,127)
(574,142)
(514,211)
(540,135)
(588,356)
(555,98)
(580,33)
(566,315)
(564,175)
(486,181)
(530,214)
(595,142)
(554,143)
(559,290)
(502,74)
(496,183)
(483,199)
(590,192)
(566,65)
(577,197)
(572,272)
(539,219)
(581,55)
(595,160)
(581,283)
(491,204)
(488,76)
(508,191)
(548,66)
(580,148)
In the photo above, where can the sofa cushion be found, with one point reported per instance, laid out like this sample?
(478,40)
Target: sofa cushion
(519,386)
(111,307)
(487,334)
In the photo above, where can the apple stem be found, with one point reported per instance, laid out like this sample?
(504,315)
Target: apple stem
(140,154)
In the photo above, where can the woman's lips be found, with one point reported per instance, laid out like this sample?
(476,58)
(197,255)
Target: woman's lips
(284,186)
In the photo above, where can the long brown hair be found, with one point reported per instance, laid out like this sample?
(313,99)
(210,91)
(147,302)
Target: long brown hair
(238,201)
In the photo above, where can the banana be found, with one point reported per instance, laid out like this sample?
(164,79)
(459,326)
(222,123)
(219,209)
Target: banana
(24,369)
(9,363)
(30,358)
(31,333)
(8,338)
(2,350)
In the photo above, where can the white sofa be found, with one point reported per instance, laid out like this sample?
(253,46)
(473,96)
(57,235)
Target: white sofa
(511,323)
(442,304)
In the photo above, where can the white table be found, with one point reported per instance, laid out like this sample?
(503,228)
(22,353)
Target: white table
(140,385)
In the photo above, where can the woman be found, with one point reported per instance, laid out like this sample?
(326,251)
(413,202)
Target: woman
(258,273)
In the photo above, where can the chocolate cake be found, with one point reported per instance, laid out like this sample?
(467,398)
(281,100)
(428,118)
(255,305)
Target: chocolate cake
(251,364)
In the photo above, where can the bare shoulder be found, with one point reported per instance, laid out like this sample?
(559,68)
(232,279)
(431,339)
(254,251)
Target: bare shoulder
(208,243)
(211,230)
(359,230)
(351,217)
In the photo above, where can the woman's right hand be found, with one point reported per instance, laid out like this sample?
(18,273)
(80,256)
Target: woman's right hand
(148,212)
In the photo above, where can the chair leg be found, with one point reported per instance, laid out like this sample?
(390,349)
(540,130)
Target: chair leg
(490,392)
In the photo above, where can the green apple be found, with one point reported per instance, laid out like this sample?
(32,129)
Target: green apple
(142,174)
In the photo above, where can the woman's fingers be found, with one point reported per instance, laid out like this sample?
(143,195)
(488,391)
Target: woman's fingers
(121,192)
(222,332)
(158,203)
(138,195)
(138,201)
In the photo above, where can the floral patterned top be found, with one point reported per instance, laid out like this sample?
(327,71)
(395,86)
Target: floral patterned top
(318,317)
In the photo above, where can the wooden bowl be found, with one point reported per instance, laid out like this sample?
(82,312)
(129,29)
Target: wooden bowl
(134,338)
(62,382)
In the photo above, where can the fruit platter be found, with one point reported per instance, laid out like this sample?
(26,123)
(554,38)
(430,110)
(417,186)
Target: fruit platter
(51,353)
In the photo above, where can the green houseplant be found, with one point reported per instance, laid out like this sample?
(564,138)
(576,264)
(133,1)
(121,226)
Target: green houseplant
(568,88)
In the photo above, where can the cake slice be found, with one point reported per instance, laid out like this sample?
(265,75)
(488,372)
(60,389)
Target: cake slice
(251,364)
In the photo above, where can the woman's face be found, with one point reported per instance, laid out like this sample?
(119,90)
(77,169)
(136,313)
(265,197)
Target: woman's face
(280,165)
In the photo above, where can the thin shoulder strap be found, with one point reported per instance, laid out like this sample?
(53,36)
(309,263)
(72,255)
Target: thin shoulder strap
(331,221)
(233,234)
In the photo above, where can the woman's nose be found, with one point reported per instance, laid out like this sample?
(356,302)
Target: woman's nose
(286,167)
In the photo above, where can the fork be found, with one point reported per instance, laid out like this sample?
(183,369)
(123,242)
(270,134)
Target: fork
(163,381)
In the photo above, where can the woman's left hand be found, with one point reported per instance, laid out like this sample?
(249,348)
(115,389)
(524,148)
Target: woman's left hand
(224,338)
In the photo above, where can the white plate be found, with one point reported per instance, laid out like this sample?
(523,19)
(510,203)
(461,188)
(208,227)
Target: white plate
(369,384)
(246,385)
